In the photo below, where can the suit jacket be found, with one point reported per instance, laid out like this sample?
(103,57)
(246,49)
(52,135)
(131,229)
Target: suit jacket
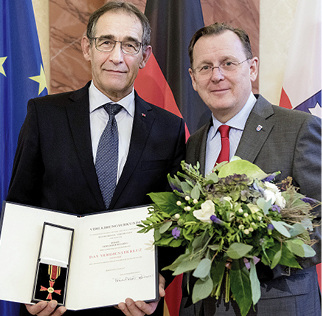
(54,168)
(290,142)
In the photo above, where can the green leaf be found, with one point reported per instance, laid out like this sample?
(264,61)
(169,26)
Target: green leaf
(211,178)
(238,250)
(240,286)
(241,166)
(213,247)
(264,205)
(177,262)
(299,248)
(157,235)
(203,269)
(254,282)
(288,259)
(297,229)
(308,251)
(175,243)
(187,265)
(166,201)
(202,289)
(163,228)
(276,259)
(280,227)
(186,188)
(217,271)
(195,192)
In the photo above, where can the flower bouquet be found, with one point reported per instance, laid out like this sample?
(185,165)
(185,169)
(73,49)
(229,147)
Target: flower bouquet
(227,222)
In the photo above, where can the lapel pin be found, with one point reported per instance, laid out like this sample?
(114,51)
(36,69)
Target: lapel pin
(143,114)
(258,128)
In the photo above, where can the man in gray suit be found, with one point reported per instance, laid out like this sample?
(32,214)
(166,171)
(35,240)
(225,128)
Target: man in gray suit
(276,139)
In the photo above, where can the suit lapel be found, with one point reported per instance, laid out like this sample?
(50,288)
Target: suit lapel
(256,131)
(78,115)
(142,124)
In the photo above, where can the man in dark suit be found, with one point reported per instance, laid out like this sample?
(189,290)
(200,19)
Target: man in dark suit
(55,161)
(276,139)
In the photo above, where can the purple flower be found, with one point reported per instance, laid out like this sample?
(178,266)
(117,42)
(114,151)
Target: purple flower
(216,220)
(309,200)
(247,263)
(270,227)
(176,233)
(276,208)
(270,177)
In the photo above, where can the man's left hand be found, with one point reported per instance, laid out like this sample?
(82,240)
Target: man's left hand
(140,308)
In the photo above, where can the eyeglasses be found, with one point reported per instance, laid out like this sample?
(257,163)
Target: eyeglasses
(224,67)
(104,44)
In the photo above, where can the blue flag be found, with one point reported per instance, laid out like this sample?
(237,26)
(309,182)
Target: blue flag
(21,78)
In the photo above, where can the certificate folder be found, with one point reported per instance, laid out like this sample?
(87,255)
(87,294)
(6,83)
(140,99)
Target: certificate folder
(108,260)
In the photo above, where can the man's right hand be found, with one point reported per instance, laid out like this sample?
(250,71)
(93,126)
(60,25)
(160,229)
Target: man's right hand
(44,308)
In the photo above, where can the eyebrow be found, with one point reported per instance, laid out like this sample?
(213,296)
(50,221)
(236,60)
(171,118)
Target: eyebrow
(112,37)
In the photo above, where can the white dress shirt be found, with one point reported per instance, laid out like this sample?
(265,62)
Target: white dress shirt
(237,124)
(99,118)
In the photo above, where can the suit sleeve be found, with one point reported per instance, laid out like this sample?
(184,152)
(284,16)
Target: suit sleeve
(307,176)
(26,180)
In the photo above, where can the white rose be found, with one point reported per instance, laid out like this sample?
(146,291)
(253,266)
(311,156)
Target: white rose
(273,193)
(207,209)
(270,192)
(280,201)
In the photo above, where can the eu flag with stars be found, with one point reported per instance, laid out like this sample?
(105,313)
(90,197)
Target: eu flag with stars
(21,78)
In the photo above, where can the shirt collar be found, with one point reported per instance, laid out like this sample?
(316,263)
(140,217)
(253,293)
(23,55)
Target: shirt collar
(239,120)
(97,99)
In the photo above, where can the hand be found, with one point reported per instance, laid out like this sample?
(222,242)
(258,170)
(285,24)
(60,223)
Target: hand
(44,308)
(140,308)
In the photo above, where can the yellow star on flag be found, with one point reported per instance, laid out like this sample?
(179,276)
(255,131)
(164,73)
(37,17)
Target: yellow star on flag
(41,79)
(2,60)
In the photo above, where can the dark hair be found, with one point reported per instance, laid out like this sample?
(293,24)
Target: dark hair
(116,6)
(218,28)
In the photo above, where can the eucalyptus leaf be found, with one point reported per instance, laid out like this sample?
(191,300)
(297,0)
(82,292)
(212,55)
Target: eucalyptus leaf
(187,265)
(276,259)
(280,227)
(203,269)
(238,250)
(297,229)
(264,205)
(308,251)
(195,192)
(202,289)
(254,282)
(177,262)
(163,228)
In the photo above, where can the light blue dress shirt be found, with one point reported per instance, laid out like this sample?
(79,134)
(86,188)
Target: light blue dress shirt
(237,124)
(99,119)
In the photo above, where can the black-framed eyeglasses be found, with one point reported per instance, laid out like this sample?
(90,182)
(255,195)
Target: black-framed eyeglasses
(104,44)
(224,67)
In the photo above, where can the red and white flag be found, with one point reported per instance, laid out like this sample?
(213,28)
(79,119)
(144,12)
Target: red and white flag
(302,81)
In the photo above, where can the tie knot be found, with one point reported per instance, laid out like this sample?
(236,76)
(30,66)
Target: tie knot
(224,131)
(112,108)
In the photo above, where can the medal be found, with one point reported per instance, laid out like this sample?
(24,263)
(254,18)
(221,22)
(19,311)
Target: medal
(54,273)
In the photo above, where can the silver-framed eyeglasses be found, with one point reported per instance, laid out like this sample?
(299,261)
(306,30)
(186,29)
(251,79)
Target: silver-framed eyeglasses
(224,67)
(104,44)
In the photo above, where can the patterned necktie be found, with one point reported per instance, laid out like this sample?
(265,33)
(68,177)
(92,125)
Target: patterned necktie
(224,153)
(107,155)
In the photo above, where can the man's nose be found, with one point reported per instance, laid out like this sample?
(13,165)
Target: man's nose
(116,54)
(216,73)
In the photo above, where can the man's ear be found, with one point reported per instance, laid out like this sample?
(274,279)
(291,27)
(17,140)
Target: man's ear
(86,45)
(253,69)
(146,55)
(193,80)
